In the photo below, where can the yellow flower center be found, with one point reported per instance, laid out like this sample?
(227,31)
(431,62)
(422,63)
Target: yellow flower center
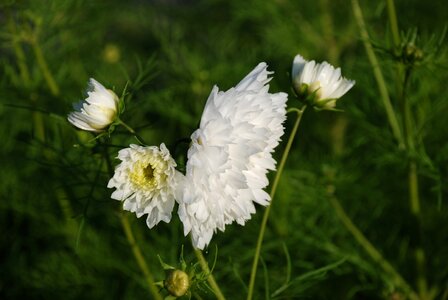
(149,173)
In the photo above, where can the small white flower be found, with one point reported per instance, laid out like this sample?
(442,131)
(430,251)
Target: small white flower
(98,110)
(322,82)
(146,180)
(230,156)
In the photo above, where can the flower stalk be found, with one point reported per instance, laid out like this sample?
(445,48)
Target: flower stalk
(369,248)
(272,194)
(393,22)
(391,116)
(138,256)
(42,63)
(414,199)
(210,278)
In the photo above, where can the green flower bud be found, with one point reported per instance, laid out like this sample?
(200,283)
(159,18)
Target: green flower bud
(177,283)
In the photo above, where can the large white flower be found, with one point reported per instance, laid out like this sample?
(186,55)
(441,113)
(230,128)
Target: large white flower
(146,180)
(98,110)
(230,156)
(321,81)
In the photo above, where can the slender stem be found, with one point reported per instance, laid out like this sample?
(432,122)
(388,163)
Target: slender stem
(210,279)
(39,128)
(139,257)
(132,131)
(52,85)
(391,116)
(133,243)
(128,128)
(20,55)
(396,42)
(272,194)
(414,199)
(370,249)
(197,296)
(393,22)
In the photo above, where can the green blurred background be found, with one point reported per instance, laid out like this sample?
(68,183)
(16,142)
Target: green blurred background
(61,236)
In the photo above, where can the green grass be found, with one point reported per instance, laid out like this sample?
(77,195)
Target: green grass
(62,236)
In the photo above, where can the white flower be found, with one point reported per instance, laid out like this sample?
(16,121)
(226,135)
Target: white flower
(230,156)
(322,82)
(98,111)
(146,180)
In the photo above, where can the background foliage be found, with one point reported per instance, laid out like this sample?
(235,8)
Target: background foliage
(61,235)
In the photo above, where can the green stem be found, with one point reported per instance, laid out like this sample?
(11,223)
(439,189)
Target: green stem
(20,55)
(420,257)
(210,279)
(39,128)
(139,257)
(272,194)
(370,249)
(391,116)
(128,128)
(54,89)
(393,23)
(396,42)
(133,243)
(414,199)
(132,131)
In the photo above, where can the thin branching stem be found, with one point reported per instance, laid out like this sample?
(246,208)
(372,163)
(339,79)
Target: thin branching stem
(38,123)
(20,55)
(210,278)
(391,116)
(413,186)
(132,131)
(370,249)
(42,63)
(393,22)
(139,256)
(272,194)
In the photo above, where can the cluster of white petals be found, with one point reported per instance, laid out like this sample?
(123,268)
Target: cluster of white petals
(230,156)
(97,111)
(146,180)
(322,79)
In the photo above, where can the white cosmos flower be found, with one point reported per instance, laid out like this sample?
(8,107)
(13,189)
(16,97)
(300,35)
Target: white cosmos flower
(97,111)
(230,156)
(146,180)
(321,81)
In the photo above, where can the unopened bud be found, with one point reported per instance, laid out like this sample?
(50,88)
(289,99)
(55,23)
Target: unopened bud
(412,53)
(177,283)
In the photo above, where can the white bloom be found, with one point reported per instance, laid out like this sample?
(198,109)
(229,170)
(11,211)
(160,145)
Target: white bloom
(230,156)
(146,180)
(97,111)
(323,80)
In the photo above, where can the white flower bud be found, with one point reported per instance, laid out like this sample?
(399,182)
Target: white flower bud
(97,111)
(318,84)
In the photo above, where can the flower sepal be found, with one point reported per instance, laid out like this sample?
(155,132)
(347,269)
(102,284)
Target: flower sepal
(183,280)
